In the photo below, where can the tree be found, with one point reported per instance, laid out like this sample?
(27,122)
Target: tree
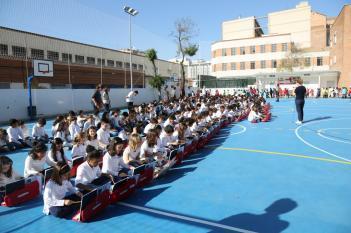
(157,82)
(151,54)
(293,58)
(184,31)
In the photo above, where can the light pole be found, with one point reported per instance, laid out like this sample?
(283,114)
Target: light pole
(131,12)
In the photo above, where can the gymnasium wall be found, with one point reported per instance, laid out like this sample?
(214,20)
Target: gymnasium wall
(51,102)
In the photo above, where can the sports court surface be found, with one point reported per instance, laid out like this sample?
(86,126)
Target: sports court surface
(266,177)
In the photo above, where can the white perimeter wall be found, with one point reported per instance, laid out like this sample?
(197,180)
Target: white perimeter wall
(50,102)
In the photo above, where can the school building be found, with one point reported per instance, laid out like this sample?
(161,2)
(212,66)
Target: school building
(76,65)
(297,43)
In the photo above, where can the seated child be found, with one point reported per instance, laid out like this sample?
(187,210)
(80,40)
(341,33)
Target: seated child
(38,131)
(60,197)
(131,154)
(7,174)
(36,160)
(56,153)
(92,138)
(79,146)
(113,164)
(89,174)
(15,134)
(5,145)
(103,134)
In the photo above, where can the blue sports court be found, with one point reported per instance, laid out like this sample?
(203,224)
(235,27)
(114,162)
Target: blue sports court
(265,177)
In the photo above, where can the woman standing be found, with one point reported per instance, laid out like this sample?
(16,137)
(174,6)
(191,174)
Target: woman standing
(96,99)
(300,93)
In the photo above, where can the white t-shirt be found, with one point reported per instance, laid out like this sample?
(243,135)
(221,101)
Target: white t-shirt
(59,156)
(79,150)
(103,136)
(54,194)
(33,167)
(130,154)
(130,97)
(38,131)
(86,174)
(113,164)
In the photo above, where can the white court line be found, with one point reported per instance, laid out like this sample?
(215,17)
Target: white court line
(320,133)
(240,132)
(315,147)
(186,218)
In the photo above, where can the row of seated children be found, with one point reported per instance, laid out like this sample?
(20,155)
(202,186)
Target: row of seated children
(158,129)
(17,135)
(260,111)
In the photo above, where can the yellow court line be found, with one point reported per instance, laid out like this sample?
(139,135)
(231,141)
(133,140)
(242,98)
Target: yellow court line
(285,154)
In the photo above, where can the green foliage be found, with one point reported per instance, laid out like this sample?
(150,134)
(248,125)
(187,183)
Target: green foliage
(151,54)
(191,50)
(157,82)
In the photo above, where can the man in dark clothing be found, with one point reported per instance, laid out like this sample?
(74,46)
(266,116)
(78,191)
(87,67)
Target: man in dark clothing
(96,99)
(300,93)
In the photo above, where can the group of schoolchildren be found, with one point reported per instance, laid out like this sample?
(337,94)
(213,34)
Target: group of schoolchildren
(116,143)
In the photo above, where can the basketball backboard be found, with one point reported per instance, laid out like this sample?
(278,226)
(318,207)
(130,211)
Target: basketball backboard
(43,68)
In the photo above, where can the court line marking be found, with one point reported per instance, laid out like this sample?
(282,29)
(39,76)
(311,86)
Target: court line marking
(235,133)
(186,218)
(315,147)
(283,154)
(320,133)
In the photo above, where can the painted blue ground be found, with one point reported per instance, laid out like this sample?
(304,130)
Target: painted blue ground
(234,188)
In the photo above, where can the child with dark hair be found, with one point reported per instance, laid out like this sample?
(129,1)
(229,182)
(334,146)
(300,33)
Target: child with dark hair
(38,131)
(15,134)
(89,172)
(113,164)
(103,134)
(7,174)
(5,145)
(56,153)
(60,197)
(35,160)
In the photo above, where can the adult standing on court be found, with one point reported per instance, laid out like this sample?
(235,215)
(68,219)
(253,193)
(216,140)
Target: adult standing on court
(300,93)
(130,98)
(106,98)
(96,99)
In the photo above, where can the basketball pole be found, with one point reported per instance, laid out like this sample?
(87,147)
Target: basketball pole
(29,86)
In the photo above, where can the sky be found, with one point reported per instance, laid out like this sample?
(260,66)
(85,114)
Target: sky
(104,23)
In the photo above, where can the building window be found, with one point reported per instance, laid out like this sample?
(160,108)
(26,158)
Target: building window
(127,65)
(274,64)
(252,49)
(65,57)
(274,48)
(224,66)
(252,65)
(233,51)
(91,60)
(334,60)
(140,67)
(101,62)
(285,47)
(18,51)
(242,50)
(307,61)
(334,38)
(224,52)
(319,61)
(110,63)
(134,66)
(37,53)
(52,55)
(262,48)
(119,64)
(242,65)
(79,59)
(263,64)
(233,66)
(4,49)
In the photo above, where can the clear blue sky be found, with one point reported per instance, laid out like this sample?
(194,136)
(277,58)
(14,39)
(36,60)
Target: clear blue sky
(103,22)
